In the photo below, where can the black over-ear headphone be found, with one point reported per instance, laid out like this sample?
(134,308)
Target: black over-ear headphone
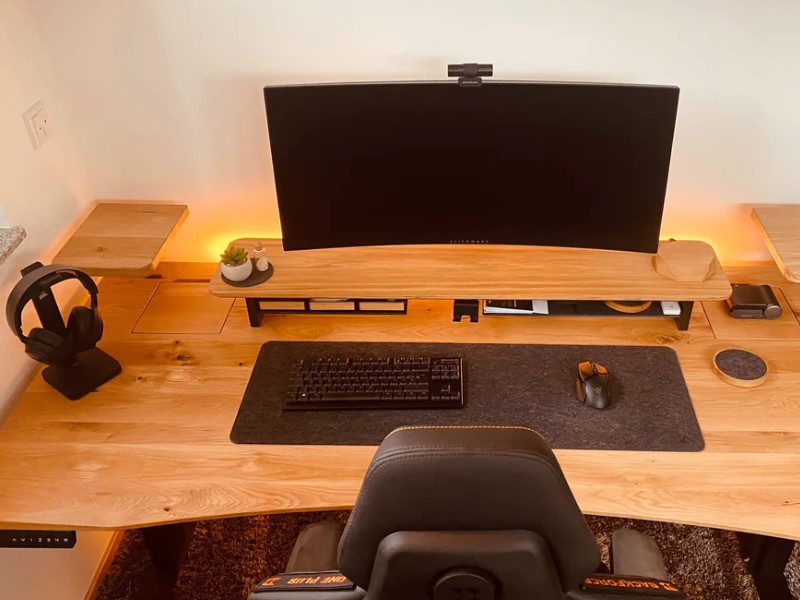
(53,343)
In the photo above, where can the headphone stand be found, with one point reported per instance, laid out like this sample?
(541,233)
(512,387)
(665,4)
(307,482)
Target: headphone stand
(90,370)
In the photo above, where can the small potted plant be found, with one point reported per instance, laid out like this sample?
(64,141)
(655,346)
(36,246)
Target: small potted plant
(235,264)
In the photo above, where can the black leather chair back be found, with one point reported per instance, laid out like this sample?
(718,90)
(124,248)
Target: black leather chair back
(468,479)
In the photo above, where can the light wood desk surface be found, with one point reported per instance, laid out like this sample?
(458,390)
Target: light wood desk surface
(152,446)
(468,272)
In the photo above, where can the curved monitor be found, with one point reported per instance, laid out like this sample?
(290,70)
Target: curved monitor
(555,164)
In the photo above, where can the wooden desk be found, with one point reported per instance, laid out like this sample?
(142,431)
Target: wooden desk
(152,447)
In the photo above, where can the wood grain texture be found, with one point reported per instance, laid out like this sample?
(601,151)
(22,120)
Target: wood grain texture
(779,225)
(477,272)
(123,239)
(183,307)
(152,445)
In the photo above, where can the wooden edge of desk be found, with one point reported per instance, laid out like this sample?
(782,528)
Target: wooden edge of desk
(786,271)
(173,232)
(145,270)
(741,526)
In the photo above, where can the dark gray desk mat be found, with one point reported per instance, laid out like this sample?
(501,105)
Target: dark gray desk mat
(506,384)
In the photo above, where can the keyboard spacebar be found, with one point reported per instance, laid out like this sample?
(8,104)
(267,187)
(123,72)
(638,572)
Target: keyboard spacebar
(357,401)
(334,397)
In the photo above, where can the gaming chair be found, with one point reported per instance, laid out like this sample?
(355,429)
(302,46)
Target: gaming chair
(465,513)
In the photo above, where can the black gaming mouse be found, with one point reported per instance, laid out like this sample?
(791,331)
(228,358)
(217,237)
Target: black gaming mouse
(594,385)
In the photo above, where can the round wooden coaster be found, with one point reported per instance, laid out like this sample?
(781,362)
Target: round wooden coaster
(740,367)
(625,306)
(255,278)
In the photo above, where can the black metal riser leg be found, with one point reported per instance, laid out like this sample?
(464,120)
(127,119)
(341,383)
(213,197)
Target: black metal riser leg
(686,315)
(253,311)
(466,308)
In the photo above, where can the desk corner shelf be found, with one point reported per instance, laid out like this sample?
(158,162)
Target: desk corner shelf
(779,225)
(123,239)
(468,274)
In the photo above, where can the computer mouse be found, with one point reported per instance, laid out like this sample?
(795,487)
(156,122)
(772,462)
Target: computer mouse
(594,385)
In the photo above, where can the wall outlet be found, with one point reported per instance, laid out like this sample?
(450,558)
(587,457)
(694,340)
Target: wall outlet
(37,124)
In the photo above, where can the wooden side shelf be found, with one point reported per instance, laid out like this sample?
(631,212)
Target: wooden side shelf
(779,225)
(123,239)
(468,274)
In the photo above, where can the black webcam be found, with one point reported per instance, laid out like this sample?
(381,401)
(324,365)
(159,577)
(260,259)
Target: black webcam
(469,74)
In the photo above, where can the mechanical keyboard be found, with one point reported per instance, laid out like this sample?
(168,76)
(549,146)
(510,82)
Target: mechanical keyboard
(375,383)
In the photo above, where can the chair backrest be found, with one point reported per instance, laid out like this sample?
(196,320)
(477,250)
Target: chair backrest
(479,503)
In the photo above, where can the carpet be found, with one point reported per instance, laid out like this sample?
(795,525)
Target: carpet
(228,557)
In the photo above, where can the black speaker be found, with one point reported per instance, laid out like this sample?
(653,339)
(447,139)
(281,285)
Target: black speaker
(753,302)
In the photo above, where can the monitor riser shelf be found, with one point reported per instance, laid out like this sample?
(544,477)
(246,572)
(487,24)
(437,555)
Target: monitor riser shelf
(470,273)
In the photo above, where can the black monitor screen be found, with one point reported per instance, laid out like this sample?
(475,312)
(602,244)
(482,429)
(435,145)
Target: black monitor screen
(553,164)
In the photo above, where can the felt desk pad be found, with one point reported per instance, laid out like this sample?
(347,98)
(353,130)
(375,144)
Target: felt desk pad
(505,384)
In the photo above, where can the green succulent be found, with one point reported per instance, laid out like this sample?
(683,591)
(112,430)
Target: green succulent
(234,256)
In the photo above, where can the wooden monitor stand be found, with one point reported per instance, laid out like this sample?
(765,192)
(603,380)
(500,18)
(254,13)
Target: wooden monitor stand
(470,273)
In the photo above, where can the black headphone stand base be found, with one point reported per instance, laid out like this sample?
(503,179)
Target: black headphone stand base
(92,369)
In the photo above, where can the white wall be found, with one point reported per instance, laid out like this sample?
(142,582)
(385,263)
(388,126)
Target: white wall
(43,190)
(168,92)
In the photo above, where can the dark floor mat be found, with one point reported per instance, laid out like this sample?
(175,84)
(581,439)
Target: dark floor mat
(228,557)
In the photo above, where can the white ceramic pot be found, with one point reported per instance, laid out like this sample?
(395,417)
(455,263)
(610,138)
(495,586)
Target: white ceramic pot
(239,272)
